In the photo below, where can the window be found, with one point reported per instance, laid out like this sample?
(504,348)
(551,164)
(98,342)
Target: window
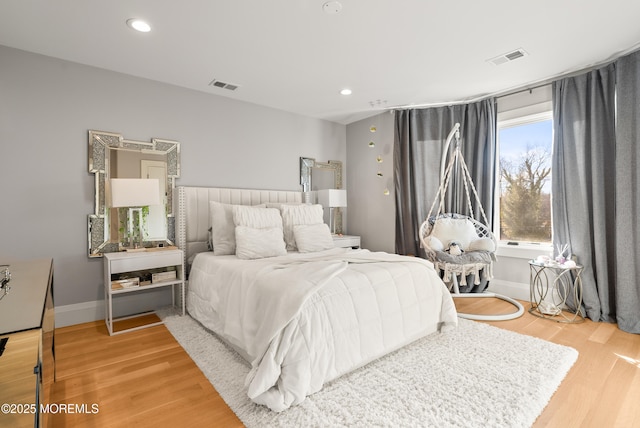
(524,178)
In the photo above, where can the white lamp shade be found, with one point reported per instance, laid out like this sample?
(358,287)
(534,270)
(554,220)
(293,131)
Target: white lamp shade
(134,192)
(332,198)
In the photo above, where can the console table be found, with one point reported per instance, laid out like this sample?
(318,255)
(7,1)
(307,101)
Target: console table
(346,241)
(131,272)
(27,365)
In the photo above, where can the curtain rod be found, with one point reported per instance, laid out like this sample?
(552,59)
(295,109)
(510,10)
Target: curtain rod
(531,86)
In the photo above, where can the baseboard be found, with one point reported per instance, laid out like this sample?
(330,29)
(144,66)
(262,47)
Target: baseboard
(127,304)
(515,290)
(79,313)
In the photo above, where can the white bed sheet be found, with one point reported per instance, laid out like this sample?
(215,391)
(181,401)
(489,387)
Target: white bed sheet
(304,319)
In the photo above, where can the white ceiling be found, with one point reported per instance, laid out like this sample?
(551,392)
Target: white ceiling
(290,55)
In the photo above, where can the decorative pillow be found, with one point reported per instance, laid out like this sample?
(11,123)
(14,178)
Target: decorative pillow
(460,230)
(293,215)
(312,237)
(435,244)
(258,218)
(279,205)
(482,244)
(257,243)
(223,239)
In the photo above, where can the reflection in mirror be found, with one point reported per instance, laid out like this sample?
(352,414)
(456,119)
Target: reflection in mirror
(321,175)
(111,156)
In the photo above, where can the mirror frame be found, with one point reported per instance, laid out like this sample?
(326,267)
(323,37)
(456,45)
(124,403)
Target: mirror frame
(100,143)
(307,165)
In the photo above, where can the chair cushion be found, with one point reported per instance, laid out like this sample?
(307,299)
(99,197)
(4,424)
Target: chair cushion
(482,244)
(465,258)
(460,230)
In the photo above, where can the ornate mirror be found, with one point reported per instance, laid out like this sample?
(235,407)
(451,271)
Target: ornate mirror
(111,156)
(315,176)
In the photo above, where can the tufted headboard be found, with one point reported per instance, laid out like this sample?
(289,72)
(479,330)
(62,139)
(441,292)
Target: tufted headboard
(192,225)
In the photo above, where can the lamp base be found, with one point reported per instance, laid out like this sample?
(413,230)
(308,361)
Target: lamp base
(134,239)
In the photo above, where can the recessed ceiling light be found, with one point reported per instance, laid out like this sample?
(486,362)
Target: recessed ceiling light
(139,25)
(345,91)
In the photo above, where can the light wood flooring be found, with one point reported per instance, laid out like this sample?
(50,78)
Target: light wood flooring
(141,378)
(145,379)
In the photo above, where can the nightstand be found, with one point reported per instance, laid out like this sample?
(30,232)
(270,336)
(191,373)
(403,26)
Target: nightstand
(131,272)
(550,286)
(346,241)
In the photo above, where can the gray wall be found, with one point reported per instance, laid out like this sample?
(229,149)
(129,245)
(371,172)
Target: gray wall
(371,212)
(48,105)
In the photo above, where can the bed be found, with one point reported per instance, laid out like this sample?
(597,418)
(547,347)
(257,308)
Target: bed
(299,311)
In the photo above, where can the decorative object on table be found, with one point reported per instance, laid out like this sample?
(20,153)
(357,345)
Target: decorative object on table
(543,260)
(163,276)
(332,198)
(119,284)
(562,250)
(134,194)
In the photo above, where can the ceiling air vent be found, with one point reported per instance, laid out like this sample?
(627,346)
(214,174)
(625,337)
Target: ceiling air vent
(507,57)
(224,85)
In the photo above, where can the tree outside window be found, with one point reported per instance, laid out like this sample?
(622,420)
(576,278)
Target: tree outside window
(525,181)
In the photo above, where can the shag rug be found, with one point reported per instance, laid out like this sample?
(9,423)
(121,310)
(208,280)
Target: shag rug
(474,376)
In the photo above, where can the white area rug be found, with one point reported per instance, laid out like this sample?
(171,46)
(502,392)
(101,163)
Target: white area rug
(475,376)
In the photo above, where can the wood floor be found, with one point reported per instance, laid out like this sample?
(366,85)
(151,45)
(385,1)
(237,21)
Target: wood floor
(145,379)
(138,379)
(602,389)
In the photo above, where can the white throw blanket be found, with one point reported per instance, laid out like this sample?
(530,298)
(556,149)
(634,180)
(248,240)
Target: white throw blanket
(304,319)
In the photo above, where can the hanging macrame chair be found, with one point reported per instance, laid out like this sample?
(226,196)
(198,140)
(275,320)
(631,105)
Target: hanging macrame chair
(457,244)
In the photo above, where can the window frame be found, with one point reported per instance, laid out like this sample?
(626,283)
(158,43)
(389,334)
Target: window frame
(514,121)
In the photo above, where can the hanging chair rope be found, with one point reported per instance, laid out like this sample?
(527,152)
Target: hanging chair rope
(473,188)
(466,180)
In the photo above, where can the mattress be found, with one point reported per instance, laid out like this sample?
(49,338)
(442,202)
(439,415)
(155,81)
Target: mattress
(304,319)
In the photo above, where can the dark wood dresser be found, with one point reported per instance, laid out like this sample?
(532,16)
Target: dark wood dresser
(27,364)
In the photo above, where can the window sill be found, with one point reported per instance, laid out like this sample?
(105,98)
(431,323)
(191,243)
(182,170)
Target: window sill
(523,251)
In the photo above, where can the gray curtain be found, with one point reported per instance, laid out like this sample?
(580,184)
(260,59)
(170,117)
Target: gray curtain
(628,194)
(419,140)
(583,182)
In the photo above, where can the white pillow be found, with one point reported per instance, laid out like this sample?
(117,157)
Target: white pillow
(279,205)
(253,243)
(482,244)
(256,217)
(312,237)
(223,239)
(459,230)
(435,244)
(293,215)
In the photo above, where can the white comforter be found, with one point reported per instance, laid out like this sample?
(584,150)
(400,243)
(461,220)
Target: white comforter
(304,319)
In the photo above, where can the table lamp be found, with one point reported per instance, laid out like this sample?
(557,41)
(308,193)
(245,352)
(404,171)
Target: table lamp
(134,193)
(332,198)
